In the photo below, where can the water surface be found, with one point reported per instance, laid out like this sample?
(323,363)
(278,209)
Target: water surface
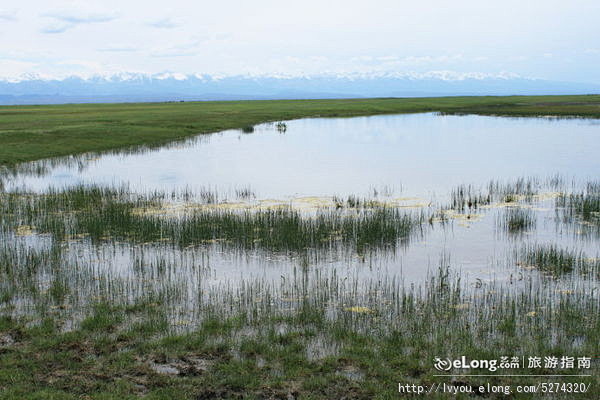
(413,154)
(414,160)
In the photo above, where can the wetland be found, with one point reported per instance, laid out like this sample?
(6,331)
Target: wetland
(309,258)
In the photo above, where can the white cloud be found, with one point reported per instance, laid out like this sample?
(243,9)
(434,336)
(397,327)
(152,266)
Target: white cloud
(64,21)
(191,48)
(118,49)
(8,15)
(163,23)
(57,28)
(80,18)
(344,36)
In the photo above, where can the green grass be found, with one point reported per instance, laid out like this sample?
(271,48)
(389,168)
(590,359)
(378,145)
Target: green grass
(556,260)
(467,197)
(585,206)
(104,214)
(34,132)
(258,351)
(518,220)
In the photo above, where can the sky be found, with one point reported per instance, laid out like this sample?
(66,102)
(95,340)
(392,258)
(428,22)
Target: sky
(549,39)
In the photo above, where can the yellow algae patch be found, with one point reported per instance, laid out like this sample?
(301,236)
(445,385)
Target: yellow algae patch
(25,230)
(269,204)
(291,299)
(503,204)
(314,201)
(526,266)
(533,198)
(465,220)
(77,236)
(305,203)
(153,211)
(178,209)
(546,196)
(461,216)
(359,310)
(410,202)
(565,291)
(407,199)
(225,206)
(415,204)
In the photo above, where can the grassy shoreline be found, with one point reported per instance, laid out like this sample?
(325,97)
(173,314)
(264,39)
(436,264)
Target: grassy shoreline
(30,133)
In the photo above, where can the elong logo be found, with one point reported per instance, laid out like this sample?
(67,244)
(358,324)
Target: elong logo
(462,363)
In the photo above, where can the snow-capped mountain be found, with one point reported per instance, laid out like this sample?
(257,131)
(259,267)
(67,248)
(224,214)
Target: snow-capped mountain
(38,89)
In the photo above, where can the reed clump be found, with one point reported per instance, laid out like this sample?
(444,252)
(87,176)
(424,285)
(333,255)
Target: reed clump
(555,260)
(583,206)
(517,220)
(109,213)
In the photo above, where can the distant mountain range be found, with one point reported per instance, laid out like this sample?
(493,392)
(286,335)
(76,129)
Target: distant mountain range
(126,87)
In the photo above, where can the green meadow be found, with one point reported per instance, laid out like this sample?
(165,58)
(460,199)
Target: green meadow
(34,132)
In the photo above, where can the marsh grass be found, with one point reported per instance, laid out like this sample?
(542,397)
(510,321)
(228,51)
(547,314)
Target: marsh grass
(582,208)
(556,261)
(258,336)
(357,202)
(467,198)
(517,220)
(106,213)
(245,193)
(98,296)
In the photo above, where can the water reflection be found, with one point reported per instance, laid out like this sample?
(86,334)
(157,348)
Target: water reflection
(422,154)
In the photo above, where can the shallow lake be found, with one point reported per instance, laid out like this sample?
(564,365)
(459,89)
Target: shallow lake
(409,155)
(414,162)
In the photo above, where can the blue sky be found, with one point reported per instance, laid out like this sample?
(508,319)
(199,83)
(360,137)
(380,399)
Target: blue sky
(557,40)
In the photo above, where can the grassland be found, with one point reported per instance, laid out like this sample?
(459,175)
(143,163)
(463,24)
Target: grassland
(34,132)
